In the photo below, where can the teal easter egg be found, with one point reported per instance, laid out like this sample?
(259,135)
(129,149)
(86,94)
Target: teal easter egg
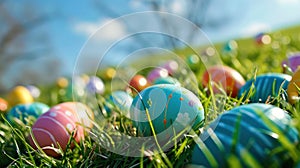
(170,109)
(122,101)
(193,62)
(23,111)
(265,86)
(254,129)
(166,80)
(75,89)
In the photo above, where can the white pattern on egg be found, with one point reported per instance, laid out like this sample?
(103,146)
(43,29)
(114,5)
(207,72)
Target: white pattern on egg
(53,114)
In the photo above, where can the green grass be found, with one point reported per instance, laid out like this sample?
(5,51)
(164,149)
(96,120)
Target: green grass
(249,59)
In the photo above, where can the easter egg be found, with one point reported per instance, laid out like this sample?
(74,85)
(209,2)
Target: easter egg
(75,88)
(223,77)
(139,82)
(110,73)
(263,39)
(230,46)
(95,85)
(253,129)
(170,108)
(84,114)
(62,82)
(19,95)
(22,111)
(3,105)
(293,87)
(265,86)
(193,62)
(293,61)
(34,91)
(56,126)
(122,101)
(157,73)
(171,66)
(166,80)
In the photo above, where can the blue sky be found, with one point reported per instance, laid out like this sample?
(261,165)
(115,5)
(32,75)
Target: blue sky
(74,21)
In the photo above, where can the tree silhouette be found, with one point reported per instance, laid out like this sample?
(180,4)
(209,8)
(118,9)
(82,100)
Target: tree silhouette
(18,39)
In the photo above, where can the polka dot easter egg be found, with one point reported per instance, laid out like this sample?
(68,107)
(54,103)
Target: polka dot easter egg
(55,127)
(170,108)
(83,113)
(19,95)
(223,77)
(265,87)
(23,111)
(253,129)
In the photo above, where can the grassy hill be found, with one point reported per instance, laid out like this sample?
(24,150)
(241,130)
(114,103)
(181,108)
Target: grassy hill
(245,55)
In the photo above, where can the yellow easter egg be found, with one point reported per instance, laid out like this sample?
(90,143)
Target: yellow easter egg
(85,78)
(110,73)
(62,82)
(293,86)
(19,95)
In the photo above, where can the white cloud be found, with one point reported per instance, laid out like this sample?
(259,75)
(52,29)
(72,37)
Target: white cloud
(107,29)
(178,7)
(135,4)
(288,1)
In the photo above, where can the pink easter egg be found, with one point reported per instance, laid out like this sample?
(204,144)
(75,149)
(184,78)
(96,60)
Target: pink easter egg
(157,73)
(171,67)
(55,127)
(84,114)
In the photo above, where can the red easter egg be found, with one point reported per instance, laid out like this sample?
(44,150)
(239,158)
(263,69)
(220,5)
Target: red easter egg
(57,125)
(222,76)
(139,83)
(3,105)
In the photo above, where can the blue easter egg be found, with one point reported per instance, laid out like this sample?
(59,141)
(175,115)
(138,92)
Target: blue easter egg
(264,86)
(34,91)
(95,85)
(253,128)
(22,111)
(171,109)
(121,100)
(166,80)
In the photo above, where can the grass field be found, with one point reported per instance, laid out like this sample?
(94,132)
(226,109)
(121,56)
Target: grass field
(249,58)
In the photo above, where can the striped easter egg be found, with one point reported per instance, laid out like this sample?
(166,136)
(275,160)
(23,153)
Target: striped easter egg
(253,129)
(265,86)
(84,114)
(55,127)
